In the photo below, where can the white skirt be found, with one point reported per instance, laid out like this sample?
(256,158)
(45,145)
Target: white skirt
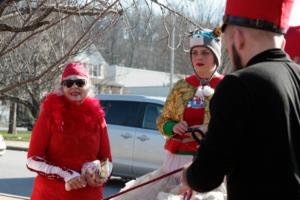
(163,189)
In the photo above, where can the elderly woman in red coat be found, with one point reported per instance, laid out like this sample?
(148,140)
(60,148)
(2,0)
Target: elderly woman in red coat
(69,141)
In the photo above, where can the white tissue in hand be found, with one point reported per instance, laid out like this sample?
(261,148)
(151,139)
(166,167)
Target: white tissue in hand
(101,169)
(105,169)
(91,167)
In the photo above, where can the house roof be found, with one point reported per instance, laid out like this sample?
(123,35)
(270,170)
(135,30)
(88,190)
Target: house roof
(90,56)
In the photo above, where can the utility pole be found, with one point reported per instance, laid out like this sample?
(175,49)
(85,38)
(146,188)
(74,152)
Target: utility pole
(172,57)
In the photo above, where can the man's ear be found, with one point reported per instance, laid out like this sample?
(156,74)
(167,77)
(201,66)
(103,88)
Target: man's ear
(239,39)
(283,43)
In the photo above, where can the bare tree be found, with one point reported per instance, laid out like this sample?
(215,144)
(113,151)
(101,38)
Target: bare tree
(38,36)
(142,39)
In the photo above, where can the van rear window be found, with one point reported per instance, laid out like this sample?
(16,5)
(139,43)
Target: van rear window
(124,113)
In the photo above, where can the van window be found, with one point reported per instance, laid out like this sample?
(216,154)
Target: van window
(124,113)
(152,112)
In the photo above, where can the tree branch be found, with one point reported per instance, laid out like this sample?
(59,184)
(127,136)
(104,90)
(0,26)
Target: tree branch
(47,10)
(14,99)
(177,13)
(61,60)
(4,4)
(4,27)
(2,53)
(62,9)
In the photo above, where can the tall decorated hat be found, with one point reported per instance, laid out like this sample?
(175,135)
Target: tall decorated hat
(292,38)
(208,38)
(268,15)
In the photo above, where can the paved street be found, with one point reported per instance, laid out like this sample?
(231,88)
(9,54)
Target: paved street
(15,179)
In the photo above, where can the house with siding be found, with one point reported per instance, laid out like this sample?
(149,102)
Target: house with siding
(115,79)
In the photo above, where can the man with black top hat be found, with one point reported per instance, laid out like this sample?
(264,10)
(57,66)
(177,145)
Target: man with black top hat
(253,137)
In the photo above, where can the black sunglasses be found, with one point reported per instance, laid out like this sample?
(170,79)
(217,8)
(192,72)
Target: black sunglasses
(69,82)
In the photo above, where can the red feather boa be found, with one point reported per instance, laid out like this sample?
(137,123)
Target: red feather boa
(59,109)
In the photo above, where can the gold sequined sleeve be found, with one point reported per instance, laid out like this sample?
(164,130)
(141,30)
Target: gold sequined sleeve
(174,106)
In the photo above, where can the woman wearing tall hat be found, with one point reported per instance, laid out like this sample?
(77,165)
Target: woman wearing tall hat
(186,107)
(69,142)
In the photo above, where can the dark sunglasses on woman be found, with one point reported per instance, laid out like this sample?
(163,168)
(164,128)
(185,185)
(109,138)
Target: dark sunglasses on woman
(69,82)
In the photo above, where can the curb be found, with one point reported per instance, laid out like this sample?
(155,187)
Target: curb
(17,145)
(15,148)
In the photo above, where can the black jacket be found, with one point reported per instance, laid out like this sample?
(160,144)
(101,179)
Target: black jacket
(253,112)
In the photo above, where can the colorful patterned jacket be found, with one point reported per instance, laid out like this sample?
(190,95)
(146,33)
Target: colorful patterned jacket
(173,112)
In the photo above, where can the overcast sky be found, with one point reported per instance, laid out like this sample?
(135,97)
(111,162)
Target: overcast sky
(191,7)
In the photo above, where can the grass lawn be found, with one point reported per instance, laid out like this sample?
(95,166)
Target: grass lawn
(19,136)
